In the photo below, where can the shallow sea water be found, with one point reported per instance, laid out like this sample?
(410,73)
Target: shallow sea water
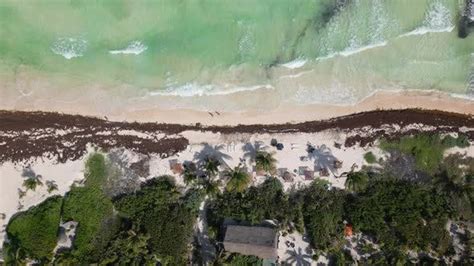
(305,51)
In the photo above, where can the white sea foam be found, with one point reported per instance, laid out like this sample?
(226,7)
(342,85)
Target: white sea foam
(437,19)
(354,50)
(193,89)
(295,64)
(69,47)
(351,50)
(135,47)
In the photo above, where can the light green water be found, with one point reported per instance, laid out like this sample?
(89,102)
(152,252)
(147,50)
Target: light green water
(191,47)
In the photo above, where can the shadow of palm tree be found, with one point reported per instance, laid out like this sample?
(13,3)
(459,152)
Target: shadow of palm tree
(28,173)
(210,151)
(251,149)
(323,158)
(298,258)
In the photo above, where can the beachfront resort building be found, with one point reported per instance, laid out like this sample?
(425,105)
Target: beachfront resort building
(252,240)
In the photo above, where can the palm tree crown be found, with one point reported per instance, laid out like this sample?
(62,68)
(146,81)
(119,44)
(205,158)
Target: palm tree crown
(238,180)
(211,166)
(32,182)
(265,161)
(356,181)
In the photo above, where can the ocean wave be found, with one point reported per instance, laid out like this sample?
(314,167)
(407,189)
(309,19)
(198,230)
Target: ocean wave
(295,64)
(193,89)
(69,47)
(437,19)
(351,50)
(135,47)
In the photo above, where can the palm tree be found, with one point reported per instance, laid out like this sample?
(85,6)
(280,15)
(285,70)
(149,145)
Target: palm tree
(238,180)
(211,166)
(212,187)
(32,182)
(137,243)
(265,161)
(189,176)
(356,181)
(51,184)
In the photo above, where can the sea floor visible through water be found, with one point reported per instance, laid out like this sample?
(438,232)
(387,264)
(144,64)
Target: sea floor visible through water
(117,57)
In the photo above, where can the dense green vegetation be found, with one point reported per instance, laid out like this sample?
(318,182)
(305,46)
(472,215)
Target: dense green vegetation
(398,214)
(160,212)
(255,204)
(242,260)
(156,222)
(427,149)
(92,209)
(401,215)
(323,212)
(238,180)
(32,233)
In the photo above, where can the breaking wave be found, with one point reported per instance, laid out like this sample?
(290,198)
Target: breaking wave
(437,19)
(194,89)
(135,47)
(69,47)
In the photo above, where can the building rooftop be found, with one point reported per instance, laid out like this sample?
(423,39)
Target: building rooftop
(251,240)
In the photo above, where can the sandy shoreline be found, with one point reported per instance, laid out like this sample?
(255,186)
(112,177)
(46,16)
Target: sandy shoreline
(290,113)
(383,100)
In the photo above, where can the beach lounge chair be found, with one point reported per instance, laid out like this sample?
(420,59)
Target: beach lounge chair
(301,170)
(308,175)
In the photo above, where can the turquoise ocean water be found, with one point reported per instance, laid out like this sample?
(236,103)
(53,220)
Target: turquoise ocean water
(305,51)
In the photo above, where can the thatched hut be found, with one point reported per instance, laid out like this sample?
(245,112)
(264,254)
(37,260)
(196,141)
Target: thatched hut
(252,240)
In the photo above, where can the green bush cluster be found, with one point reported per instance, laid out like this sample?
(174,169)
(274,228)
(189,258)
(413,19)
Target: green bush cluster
(369,157)
(160,212)
(32,234)
(152,225)
(91,208)
(255,204)
(428,150)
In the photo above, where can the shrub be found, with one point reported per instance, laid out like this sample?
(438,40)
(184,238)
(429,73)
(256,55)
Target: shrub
(370,157)
(34,232)
(159,211)
(428,150)
(462,141)
(91,208)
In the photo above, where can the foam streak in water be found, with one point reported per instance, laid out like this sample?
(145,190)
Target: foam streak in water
(69,47)
(294,64)
(437,19)
(135,47)
(193,89)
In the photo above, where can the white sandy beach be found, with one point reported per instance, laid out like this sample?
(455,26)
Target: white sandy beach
(231,148)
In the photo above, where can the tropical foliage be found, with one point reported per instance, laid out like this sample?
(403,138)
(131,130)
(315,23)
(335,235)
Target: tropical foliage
(370,158)
(92,209)
(265,161)
(238,179)
(401,214)
(32,182)
(427,149)
(357,181)
(323,212)
(32,233)
(267,201)
(162,214)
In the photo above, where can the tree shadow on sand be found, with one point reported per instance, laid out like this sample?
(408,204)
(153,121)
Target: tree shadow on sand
(298,258)
(323,158)
(251,149)
(214,152)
